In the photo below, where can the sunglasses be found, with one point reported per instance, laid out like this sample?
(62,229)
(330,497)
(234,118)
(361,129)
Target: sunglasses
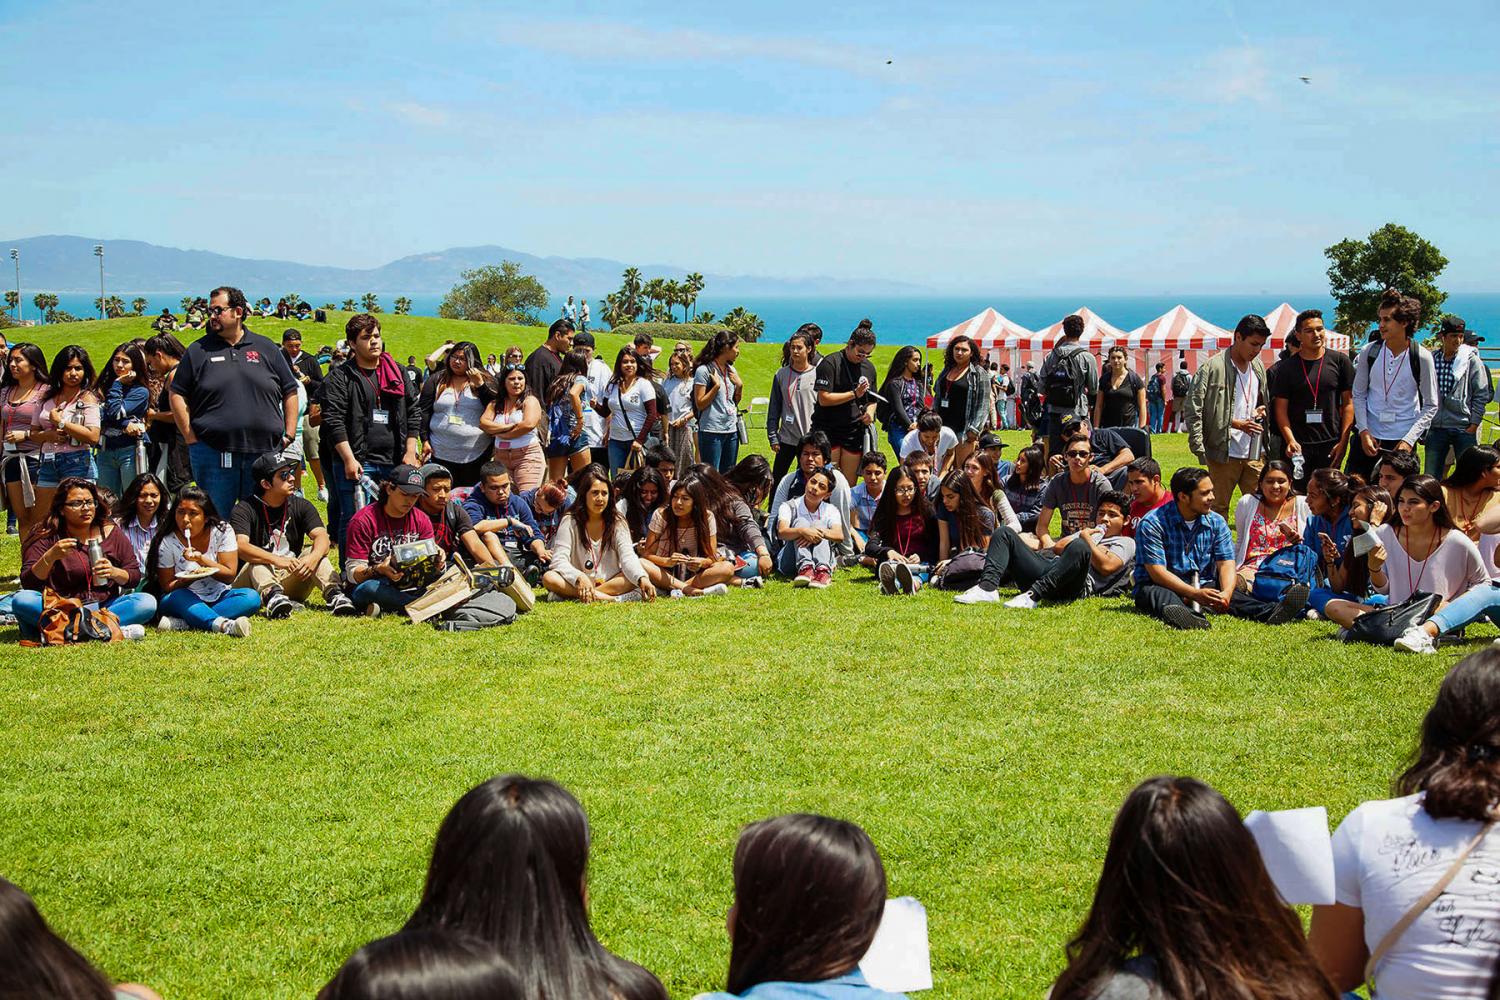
(216,310)
(1077,454)
(513,367)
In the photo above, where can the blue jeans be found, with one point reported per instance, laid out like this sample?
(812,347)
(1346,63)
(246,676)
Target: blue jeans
(344,487)
(131,609)
(240,602)
(55,468)
(1438,441)
(619,451)
(719,450)
(380,591)
(223,485)
(895,436)
(1481,602)
(117,468)
(1156,409)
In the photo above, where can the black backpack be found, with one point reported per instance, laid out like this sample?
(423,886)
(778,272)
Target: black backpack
(1061,384)
(1181,384)
(484,610)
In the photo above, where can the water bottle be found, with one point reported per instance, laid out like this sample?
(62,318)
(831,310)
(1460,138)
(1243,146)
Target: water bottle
(1298,464)
(96,552)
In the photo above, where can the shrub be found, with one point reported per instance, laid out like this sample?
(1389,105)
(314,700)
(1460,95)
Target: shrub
(669,332)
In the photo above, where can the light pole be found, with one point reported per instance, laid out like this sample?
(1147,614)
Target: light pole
(15,255)
(99,252)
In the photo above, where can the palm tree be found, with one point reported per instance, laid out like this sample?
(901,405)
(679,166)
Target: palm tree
(693,285)
(674,294)
(703,317)
(348,306)
(630,291)
(292,298)
(138,306)
(112,307)
(12,299)
(748,325)
(329,307)
(369,302)
(46,304)
(655,291)
(186,302)
(403,305)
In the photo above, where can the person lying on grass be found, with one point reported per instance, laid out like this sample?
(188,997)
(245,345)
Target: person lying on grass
(593,558)
(807,526)
(682,547)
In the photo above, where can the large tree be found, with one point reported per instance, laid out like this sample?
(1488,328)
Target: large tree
(496,295)
(1392,257)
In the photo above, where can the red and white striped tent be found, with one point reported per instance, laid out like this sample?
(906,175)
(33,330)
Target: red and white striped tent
(1097,334)
(988,330)
(1178,329)
(1281,320)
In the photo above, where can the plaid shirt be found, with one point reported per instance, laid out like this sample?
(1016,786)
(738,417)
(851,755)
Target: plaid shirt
(1443,365)
(1163,538)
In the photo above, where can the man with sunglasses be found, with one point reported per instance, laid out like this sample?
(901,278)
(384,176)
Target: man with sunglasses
(271,529)
(1075,492)
(234,398)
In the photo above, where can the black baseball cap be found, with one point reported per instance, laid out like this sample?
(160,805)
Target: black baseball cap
(1452,324)
(267,465)
(407,479)
(583,339)
(989,439)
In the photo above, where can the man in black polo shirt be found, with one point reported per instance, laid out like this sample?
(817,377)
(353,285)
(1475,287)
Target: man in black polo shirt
(544,363)
(234,399)
(271,528)
(370,417)
(845,409)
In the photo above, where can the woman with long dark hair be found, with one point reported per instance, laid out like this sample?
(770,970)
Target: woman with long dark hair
(904,390)
(1267,520)
(124,386)
(23,388)
(1389,854)
(965,524)
(425,965)
(1023,489)
(793,401)
(37,964)
(717,389)
(512,418)
(682,547)
(1184,909)
(903,541)
(630,402)
(509,867)
(568,399)
(55,557)
(640,495)
(984,476)
(140,513)
(451,408)
(809,895)
(1331,504)
(735,500)
(1471,489)
(962,395)
(681,420)
(593,557)
(68,427)
(196,558)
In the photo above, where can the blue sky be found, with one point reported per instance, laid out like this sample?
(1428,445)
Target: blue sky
(1037,148)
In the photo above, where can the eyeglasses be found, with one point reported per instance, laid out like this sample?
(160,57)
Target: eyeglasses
(216,310)
(287,475)
(79,504)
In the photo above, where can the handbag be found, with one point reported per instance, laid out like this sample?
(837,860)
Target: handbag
(1384,626)
(66,621)
(961,572)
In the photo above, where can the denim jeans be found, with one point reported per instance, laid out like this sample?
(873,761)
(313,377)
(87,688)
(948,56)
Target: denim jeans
(1439,439)
(1156,409)
(344,487)
(380,591)
(1482,601)
(240,602)
(117,468)
(55,468)
(894,435)
(131,609)
(223,485)
(719,450)
(619,451)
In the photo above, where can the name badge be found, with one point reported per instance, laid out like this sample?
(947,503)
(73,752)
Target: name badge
(454,418)
(943,403)
(380,417)
(1314,416)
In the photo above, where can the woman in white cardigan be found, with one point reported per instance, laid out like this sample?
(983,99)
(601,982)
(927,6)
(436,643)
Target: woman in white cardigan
(1271,518)
(593,558)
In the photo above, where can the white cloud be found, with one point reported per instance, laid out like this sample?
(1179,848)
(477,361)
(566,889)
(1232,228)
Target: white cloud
(423,115)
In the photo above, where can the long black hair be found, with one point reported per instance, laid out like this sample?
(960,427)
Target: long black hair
(697,490)
(583,481)
(137,358)
(508,867)
(968,518)
(60,361)
(898,363)
(809,892)
(637,517)
(34,357)
(425,965)
(1472,465)
(1457,761)
(1428,490)
(751,478)
(35,962)
(883,521)
(1036,464)
(575,363)
(54,522)
(125,506)
(168,527)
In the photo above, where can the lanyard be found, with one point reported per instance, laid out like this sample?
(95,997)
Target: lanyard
(1252,386)
(374,386)
(272,536)
(1437,539)
(1394,368)
(1317,383)
(903,543)
(794,386)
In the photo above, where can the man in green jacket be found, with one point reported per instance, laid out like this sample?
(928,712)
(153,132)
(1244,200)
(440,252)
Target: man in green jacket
(1226,413)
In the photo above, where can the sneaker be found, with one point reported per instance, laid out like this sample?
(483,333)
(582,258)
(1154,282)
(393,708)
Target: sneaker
(237,627)
(1293,602)
(280,606)
(170,624)
(675,592)
(1342,635)
(533,575)
(323,493)
(850,561)
(887,574)
(977,595)
(1180,616)
(804,577)
(373,611)
(822,577)
(341,606)
(1312,615)
(1023,600)
(627,597)
(906,581)
(1416,640)
(132,633)
(753,582)
(717,590)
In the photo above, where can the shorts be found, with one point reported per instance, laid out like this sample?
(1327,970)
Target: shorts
(312,437)
(13,467)
(55,468)
(555,450)
(851,438)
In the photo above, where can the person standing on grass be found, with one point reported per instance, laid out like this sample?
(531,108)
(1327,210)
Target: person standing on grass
(125,395)
(1185,557)
(517,421)
(165,445)
(543,364)
(593,558)
(370,416)
(845,409)
(1313,401)
(1395,385)
(806,526)
(1463,393)
(307,371)
(596,433)
(1121,399)
(1156,398)
(717,390)
(450,413)
(794,400)
(813,452)
(193,542)
(378,584)
(1226,412)
(905,394)
(681,420)
(1143,486)
(630,403)
(567,400)
(270,529)
(234,399)
(23,388)
(961,395)
(1069,380)
(68,426)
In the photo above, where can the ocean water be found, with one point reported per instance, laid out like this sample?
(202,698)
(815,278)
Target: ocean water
(913,320)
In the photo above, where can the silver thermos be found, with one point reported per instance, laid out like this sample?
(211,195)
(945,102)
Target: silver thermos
(96,552)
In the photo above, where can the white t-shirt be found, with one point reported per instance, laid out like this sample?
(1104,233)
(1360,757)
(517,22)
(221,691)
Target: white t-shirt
(593,421)
(210,588)
(794,514)
(679,396)
(456,434)
(947,441)
(1246,398)
(632,402)
(1386,854)
(1454,567)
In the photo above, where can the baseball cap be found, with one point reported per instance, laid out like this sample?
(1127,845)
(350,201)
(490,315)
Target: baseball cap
(989,439)
(407,479)
(267,465)
(583,339)
(433,469)
(1452,324)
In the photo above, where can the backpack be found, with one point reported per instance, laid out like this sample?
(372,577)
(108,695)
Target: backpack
(1061,381)
(1181,384)
(1373,351)
(484,610)
(1282,568)
(65,621)
(560,422)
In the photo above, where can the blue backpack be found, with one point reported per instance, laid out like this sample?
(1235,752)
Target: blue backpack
(1282,568)
(560,422)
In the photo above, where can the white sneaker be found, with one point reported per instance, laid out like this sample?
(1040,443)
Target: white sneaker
(237,627)
(887,575)
(1416,640)
(323,493)
(717,590)
(628,596)
(132,632)
(1023,600)
(977,595)
(169,624)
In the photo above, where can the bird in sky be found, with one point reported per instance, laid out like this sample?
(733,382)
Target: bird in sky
(1306,79)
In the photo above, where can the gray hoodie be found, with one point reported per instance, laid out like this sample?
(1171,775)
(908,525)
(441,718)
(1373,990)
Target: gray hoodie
(1471,393)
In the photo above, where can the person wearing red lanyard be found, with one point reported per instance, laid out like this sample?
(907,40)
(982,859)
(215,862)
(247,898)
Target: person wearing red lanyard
(1421,552)
(270,529)
(1225,412)
(593,558)
(1395,386)
(1313,401)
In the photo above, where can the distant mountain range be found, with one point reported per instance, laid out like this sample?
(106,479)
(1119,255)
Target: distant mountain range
(66,264)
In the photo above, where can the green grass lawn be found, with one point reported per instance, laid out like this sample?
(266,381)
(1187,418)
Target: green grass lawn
(225,818)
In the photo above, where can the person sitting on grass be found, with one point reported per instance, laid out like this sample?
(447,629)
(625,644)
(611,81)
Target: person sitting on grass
(980,469)
(682,545)
(1109,454)
(741,538)
(547,503)
(1075,493)
(809,895)
(814,452)
(140,513)
(425,965)
(37,964)
(1143,486)
(54,557)
(270,530)
(1335,514)
(919,464)
(1394,468)
(965,524)
(642,493)
(1267,520)
(453,530)
(593,558)
(1185,908)
(1184,562)
(510,868)
(931,436)
(865,495)
(1471,489)
(379,582)
(1096,563)
(662,460)
(903,540)
(806,526)
(1024,486)
(196,558)
(505,523)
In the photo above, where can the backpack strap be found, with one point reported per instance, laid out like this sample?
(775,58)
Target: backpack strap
(1412,358)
